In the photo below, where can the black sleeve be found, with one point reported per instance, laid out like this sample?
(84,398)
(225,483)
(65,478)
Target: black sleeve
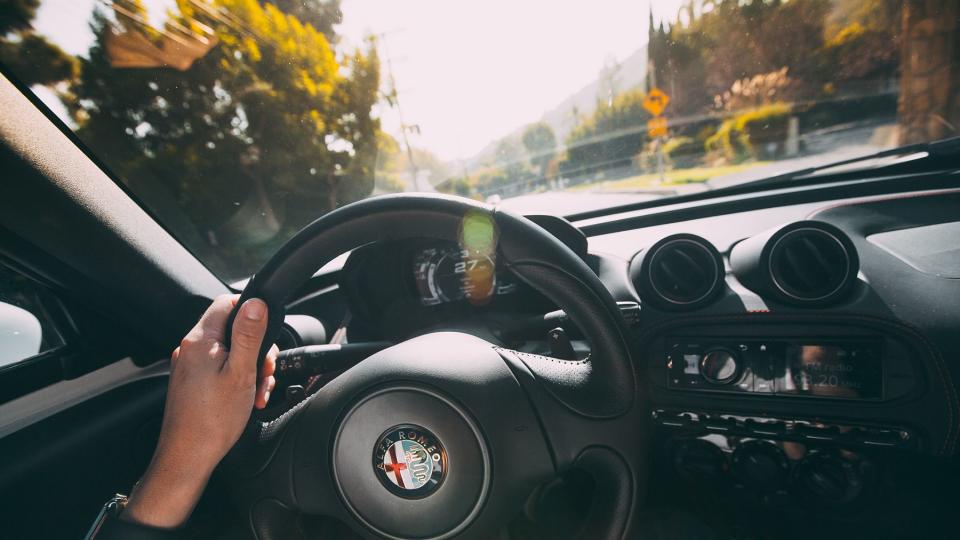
(115,528)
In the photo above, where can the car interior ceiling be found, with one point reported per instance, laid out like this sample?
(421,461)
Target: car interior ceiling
(871,456)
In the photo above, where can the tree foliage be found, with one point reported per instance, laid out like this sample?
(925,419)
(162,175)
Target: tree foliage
(17,15)
(609,138)
(31,57)
(541,145)
(320,14)
(260,136)
(722,61)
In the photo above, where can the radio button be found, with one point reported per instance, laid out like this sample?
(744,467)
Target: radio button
(880,437)
(774,428)
(719,424)
(720,366)
(817,433)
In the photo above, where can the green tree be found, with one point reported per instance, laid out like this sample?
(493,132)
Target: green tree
(541,145)
(457,185)
(736,40)
(260,136)
(863,41)
(17,15)
(609,138)
(31,57)
(510,160)
(321,14)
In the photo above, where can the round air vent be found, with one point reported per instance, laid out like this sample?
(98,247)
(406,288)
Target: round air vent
(806,263)
(809,264)
(681,271)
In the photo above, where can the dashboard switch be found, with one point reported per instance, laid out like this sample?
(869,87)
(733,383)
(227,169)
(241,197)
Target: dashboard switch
(719,424)
(817,432)
(560,346)
(774,428)
(880,437)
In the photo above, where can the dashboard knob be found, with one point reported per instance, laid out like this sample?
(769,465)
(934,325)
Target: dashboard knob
(828,480)
(760,465)
(699,460)
(720,366)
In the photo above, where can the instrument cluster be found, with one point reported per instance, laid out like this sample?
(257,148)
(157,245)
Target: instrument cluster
(446,273)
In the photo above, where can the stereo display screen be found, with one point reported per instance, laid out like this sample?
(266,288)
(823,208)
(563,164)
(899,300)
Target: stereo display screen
(841,371)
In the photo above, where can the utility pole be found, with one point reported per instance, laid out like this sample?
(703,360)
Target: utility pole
(657,140)
(404,127)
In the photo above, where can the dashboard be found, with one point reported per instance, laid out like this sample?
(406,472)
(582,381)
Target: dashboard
(795,356)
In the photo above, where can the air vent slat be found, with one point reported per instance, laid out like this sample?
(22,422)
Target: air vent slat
(791,272)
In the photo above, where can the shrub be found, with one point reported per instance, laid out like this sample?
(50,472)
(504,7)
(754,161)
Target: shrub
(745,135)
(677,152)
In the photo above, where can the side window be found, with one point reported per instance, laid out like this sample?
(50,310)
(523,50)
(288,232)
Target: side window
(26,328)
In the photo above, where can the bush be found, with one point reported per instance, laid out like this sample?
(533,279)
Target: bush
(746,135)
(456,186)
(720,145)
(677,152)
(683,151)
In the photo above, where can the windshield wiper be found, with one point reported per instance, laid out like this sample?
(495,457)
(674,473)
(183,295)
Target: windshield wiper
(929,156)
(937,156)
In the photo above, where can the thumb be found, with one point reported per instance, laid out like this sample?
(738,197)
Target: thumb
(246,337)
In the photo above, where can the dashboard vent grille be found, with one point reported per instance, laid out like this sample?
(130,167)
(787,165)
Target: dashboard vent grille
(810,264)
(682,271)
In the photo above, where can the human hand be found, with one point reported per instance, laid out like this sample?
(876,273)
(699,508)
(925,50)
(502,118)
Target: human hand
(210,395)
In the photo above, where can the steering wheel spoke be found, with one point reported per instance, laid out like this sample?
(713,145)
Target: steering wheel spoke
(569,431)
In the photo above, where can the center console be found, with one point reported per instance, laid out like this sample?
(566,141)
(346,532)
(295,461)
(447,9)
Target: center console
(818,426)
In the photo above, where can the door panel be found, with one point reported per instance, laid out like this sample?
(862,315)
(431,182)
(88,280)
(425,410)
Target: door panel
(57,473)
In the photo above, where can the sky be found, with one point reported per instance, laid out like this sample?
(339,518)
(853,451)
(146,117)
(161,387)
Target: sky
(467,72)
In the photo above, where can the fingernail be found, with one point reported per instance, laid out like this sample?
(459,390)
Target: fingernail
(254,309)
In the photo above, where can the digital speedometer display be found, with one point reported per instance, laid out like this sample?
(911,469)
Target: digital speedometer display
(448,274)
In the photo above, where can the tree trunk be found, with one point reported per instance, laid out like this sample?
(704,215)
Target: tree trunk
(929,105)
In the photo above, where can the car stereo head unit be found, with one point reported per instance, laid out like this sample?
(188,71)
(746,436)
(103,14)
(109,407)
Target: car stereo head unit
(844,369)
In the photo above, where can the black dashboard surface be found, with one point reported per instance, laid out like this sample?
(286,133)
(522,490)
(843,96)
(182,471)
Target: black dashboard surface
(904,297)
(769,411)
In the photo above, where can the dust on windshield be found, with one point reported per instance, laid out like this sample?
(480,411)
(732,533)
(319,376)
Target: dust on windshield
(236,122)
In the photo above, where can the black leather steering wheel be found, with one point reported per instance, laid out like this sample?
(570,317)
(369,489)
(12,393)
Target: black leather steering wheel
(447,435)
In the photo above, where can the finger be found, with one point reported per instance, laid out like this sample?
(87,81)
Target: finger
(264,389)
(246,337)
(174,357)
(270,362)
(213,323)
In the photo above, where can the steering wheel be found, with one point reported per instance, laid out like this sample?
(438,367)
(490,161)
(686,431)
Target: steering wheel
(447,435)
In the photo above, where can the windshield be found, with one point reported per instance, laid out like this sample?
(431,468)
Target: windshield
(237,122)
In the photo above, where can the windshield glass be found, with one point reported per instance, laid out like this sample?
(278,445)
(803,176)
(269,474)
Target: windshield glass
(236,122)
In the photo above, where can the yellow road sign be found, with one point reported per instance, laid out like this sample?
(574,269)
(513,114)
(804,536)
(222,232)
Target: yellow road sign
(657,127)
(656,101)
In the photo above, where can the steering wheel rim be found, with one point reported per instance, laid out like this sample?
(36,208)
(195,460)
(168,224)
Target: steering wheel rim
(558,397)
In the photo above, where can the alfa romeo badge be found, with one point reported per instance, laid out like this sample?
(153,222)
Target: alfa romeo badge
(409,461)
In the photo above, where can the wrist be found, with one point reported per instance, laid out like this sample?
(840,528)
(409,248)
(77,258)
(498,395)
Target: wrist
(166,494)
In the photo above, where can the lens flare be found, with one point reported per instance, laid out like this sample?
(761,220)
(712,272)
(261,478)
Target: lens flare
(478,242)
